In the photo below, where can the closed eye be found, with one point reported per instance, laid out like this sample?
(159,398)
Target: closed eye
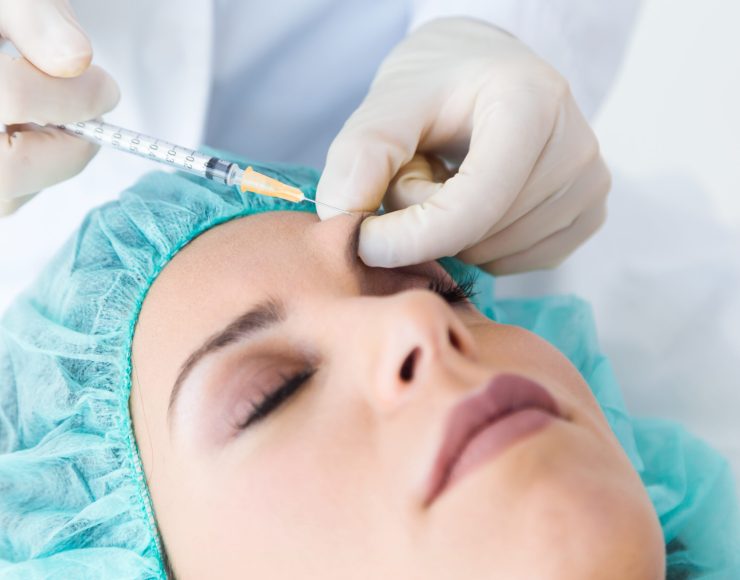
(273,399)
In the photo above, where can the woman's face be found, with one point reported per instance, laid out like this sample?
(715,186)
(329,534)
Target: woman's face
(333,481)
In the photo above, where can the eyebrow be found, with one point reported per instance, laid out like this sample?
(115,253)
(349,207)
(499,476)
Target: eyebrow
(264,315)
(260,317)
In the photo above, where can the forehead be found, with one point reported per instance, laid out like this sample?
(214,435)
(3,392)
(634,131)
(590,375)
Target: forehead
(215,278)
(243,241)
(244,250)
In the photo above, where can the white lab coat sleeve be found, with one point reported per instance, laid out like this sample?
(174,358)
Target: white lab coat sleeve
(583,39)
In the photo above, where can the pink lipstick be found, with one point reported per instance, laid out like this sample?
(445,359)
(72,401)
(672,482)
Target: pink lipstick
(481,426)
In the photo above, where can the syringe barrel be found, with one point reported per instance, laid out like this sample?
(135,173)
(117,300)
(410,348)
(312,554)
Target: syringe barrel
(142,145)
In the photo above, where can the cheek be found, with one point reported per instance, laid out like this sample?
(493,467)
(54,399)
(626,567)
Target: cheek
(245,509)
(511,346)
(275,495)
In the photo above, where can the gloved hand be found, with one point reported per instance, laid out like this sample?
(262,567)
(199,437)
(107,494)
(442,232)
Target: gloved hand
(52,83)
(531,185)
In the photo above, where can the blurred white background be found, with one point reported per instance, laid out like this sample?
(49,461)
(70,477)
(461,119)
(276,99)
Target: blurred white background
(664,272)
(675,107)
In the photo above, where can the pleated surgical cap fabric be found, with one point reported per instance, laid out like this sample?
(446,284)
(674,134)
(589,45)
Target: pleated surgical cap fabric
(73,497)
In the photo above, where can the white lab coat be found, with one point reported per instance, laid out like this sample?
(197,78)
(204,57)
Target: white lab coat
(273,81)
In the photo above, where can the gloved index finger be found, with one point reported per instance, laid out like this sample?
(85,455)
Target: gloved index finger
(507,139)
(381,136)
(46,33)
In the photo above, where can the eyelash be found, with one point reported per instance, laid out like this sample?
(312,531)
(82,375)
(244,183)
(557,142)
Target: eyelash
(452,293)
(271,401)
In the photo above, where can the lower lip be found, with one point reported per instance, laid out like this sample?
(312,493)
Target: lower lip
(495,438)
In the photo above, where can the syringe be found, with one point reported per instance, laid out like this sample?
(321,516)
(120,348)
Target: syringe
(190,160)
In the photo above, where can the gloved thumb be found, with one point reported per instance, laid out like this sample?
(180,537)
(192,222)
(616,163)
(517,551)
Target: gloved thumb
(426,220)
(47,33)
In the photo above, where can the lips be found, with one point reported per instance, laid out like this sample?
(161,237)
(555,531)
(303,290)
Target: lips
(501,401)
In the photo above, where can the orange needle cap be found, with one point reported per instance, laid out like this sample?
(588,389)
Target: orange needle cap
(264,185)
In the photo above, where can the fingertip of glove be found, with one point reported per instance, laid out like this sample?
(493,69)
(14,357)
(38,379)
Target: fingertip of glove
(326,213)
(376,248)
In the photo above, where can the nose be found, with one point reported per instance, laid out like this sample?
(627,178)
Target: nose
(419,338)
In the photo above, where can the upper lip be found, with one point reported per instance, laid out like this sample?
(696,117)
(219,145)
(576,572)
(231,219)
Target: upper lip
(501,395)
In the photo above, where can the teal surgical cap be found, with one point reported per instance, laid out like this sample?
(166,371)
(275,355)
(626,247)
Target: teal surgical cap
(73,497)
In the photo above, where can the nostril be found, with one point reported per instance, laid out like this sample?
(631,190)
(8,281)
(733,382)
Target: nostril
(454,340)
(407,368)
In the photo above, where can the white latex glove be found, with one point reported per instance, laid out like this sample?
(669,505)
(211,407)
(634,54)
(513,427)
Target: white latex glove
(52,82)
(531,184)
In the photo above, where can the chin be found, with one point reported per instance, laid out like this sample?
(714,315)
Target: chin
(599,530)
(587,510)
(553,509)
